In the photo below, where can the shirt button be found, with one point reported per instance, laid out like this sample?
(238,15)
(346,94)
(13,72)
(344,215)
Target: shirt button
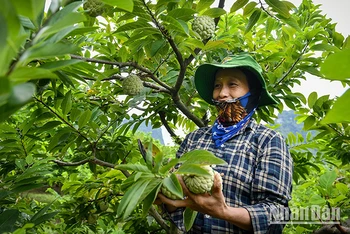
(207,216)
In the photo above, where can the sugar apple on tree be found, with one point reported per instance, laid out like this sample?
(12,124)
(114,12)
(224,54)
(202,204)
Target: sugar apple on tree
(204,26)
(200,184)
(132,85)
(166,192)
(94,7)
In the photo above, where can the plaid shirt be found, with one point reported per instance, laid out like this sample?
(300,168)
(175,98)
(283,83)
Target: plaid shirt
(258,177)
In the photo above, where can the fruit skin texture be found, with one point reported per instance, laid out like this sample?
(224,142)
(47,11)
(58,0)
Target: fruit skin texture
(204,26)
(94,7)
(168,194)
(200,184)
(132,85)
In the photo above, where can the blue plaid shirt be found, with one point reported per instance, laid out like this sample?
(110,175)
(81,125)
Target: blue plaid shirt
(258,177)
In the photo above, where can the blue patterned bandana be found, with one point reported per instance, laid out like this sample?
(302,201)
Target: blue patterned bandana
(222,134)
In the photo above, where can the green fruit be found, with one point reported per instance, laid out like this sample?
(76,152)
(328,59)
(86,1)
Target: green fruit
(200,184)
(204,26)
(169,194)
(103,205)
(92,218)
(94,7)
(132,85)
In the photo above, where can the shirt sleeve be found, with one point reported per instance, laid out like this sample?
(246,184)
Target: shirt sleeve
(272,186)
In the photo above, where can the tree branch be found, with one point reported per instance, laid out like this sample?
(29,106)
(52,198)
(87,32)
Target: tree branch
(152,211)
(168,128)
(292,67)
(126,64)
(267,12)
(179,104)
(63,120)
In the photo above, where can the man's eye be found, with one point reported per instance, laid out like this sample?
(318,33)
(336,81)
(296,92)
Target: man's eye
(233,84)
(217,86)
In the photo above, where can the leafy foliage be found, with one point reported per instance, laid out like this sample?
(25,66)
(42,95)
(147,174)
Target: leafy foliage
(68,131)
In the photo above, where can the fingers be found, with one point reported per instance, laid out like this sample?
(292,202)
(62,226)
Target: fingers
(175,203)
(217,187)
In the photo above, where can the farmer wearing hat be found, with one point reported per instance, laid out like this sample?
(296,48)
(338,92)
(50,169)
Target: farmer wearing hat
(255,186)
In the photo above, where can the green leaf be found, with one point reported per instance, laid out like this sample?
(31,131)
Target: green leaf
(326,180)
(84,118)
(317,200)
(32,9)
(149,155)
(173,185)
(20,95)
(215,45)
(156,46)
(279,7)
(23,74)
(45,217)
(292,21)
(193,169)
(50,125)
(158,160)
(189,217)
(131,198)
(12,35)
(5,89)
(253,19)
(340,112)
(134,25)
(175,25)
(200,156)
(214,12)
(339,60)
(151,196)
(127,5)
(133,167)
(238,5)
(166,168)
(184,14)
(47,50)
(324,47)
(66,104)
(74,114)
(40,213)
(8,219)
(342,188)
(203,4)
(249,8)
(62,23)
(312,99)
(26,187)
(309,122)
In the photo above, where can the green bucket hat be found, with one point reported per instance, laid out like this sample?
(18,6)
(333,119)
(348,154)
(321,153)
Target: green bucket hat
(205,76)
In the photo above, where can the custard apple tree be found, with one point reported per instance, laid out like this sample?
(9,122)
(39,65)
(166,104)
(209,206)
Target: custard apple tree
(69,130)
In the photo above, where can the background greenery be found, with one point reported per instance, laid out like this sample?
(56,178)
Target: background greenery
(66,124)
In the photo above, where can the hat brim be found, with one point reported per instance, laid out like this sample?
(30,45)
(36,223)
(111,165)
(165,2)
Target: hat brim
(205,77)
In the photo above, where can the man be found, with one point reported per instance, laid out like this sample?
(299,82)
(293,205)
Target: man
(256,183)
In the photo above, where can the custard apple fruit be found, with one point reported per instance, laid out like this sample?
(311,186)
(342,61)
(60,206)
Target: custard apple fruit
(200,184)
(94,7)
(168,193)
(204,26)
(132,85)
